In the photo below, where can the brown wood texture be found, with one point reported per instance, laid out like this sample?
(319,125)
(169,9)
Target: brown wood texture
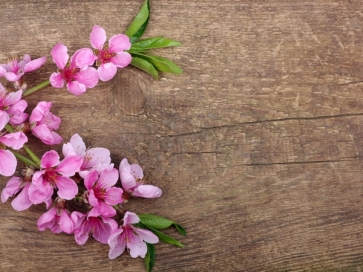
(258,145)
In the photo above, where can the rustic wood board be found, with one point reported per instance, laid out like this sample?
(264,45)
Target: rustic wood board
(257,146)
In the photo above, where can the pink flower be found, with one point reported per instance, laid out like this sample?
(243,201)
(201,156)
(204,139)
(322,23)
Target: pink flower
(15,69)
(101,193)
(15,185)
(54,174)
(12,104)
(14,140)
(109,56)
(99,227)
(77,78)
(56,220)
(43,122)
(132,181)
(132,238)
(93,159)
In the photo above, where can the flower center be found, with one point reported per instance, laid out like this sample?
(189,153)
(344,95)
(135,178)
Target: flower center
(69,73)
(105,55)
(51,176)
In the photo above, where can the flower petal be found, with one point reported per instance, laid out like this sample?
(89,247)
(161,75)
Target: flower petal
(60,55)
(76,88)
(122,59)
(56,80)
(66,223)
(7,163)
(41,193)
(113,196)
(108,178)
(119,42)
(146,235)
(44,134)
(117,245)
(34,64)
(49,159)
(12,187)
(137,247)
(67,188)
(107,71)
(130,218)
(4,119)
(14,140)
(84,57)
(90,179)
(127,179)
(88,77)
(69,165)
(147,191)
(13,77)
(22,200)
(98,37)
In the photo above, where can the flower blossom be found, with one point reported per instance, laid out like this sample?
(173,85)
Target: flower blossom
(109,56)
(132,181)
(15,68)
(77,78)
(99,227)
(131,237)
(43,122)
(13,105)
(54,173)
(93,159)
(101,193)
(14,140)
(15,185)
(56,219)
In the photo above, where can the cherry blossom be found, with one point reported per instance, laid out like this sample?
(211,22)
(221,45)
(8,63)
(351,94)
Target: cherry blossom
(93,159)
(132,181)
(101,193)
(43,123)
(99,227)
(128,236)
(14,69)
(109,56)
(15,185)
(77,78)
(11,103)
(54,173)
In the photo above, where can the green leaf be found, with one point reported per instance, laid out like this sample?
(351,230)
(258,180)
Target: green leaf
(152,43)
(138,25)
(150,257)
(163,237)
(155,221)
(145,66)
(158,222)
(161,64)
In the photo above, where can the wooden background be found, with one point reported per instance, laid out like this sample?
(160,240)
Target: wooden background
(258,145)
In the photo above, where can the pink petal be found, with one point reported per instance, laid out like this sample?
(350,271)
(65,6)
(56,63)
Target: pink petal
(113,196)
(65,223)
(130,218)
(117,246)
(77,219)
(12,187)
(44,134)
(146,235)
(26,58)
(88,77)
(107,71)
(13,97)
(102,230)
(78,145)
(137,170)
(46,218)
(60,55)
(40,111)
(39,194)
(84,57)
(98,37)
(147,191)
(4,119)
(119,42)
(67,188)
(122,59)
(22,201)
(95,157)
(2,71)
(7,163)
(108,178)
(14,140)
(34,64)
(127,179)
(90,179)
(137,247)
(49,159)
(13,77)
(102,209)
(56,80)
(76,88)
(92,199)
(69,165)
(57,139)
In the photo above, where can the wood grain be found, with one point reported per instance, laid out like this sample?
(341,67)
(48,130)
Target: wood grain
(258,145)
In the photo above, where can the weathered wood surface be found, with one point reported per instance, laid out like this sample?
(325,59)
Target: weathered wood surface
(258,145)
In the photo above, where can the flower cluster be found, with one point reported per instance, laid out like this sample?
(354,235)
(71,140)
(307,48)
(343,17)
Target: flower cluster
(84,194)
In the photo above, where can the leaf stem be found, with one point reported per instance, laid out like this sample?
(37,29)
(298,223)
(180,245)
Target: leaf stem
(23,159)
(36,88)
(32,155)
